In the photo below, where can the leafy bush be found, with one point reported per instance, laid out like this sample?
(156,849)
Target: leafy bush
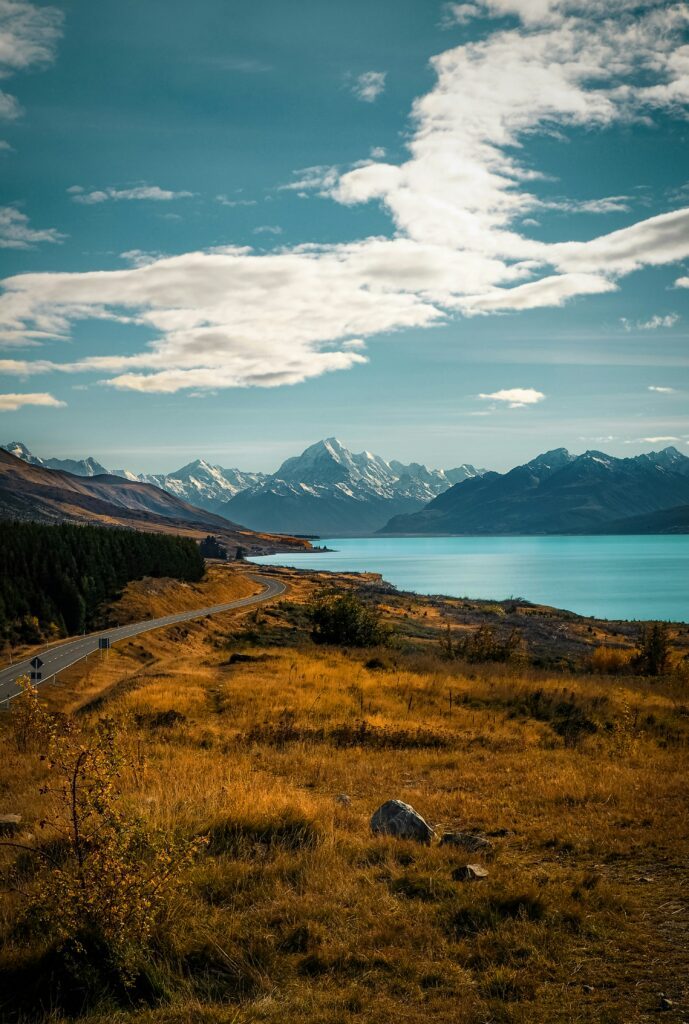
(345,620)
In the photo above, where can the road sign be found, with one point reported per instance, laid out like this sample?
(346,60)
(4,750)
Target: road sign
(36,676)
(36,663)
(103,643)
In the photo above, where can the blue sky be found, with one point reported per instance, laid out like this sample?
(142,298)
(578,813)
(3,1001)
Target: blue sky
(442,232)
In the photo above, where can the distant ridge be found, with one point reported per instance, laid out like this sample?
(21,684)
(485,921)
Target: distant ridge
(33,492)
(560,493)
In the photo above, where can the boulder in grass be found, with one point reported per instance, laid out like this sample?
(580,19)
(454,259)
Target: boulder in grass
(395,818)
(10,824)
(467,841)
(469,873)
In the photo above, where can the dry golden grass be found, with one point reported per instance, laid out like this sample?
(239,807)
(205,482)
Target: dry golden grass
(297,913)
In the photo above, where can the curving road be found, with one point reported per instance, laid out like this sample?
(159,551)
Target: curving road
(57,658)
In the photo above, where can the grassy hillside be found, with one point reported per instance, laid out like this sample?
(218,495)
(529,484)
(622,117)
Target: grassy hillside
(290,909)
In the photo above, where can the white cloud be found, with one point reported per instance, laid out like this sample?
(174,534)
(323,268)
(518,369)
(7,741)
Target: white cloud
(515,398)
(682,282)
(459,204)
(662,439)
(652,324)
(226,201)
(458,14)
(12,402)
(661,390)
(140,192)
(28,37)
(16,232)
(369,85)
(378,153)
(268,229)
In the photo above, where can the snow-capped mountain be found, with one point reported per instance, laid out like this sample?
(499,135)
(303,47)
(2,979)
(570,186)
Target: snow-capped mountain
(79,467)
(326,489)
(204,485)
(330,490)
(198,483)
(562,493)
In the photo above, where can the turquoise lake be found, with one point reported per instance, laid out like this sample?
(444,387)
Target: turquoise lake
(607,577)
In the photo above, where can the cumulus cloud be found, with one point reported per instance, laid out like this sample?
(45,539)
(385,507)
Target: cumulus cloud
(515,398)
(151,193)
(682,282)
(369,85)
(17,233)
(652,324)
(460,202)
(661,390)
(12,402)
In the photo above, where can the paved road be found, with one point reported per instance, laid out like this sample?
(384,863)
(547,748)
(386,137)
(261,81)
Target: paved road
(59,657)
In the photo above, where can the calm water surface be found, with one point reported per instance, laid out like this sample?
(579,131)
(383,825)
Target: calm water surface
(608,577)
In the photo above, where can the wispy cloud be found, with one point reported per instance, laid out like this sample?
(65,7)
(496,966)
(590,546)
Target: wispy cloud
(515,398)
(652,324)
(369,85)
(28,37)
(17,233)
(242,65)
(12,402)
(268,229)
(661,390)
(152,193)
(227,201)
(659,439)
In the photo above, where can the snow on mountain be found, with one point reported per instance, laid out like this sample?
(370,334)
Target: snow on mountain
(198,483)
(329,489)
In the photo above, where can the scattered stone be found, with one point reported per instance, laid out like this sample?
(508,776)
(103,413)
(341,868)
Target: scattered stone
(664,1003)
(588,989)
(466,841)
(10,824)
(395,818)
(469,873)
(344,799)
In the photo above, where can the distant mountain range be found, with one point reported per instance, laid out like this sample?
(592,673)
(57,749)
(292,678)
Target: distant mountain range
(34,492)
(199,483)
(562,493)
(328,490)
(325,490)
(331,491)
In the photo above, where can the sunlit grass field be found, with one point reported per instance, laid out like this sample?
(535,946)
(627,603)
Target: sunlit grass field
(293,910)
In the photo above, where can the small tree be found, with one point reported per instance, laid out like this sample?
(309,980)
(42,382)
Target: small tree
(345,620)
(107,875)
(653,656)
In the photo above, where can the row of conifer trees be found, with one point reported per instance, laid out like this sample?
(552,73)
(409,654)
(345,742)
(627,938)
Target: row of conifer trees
(55,578)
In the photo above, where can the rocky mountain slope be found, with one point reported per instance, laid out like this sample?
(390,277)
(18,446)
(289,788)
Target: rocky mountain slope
(555,493)
(329,490)
(29,491)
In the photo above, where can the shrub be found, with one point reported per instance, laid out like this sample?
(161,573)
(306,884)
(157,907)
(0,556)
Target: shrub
(345,620)
(482,644)
(100,899)
(610,661)
(653,656)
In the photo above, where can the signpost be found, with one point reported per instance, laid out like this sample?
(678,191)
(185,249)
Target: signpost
(36,666)
(103,645)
